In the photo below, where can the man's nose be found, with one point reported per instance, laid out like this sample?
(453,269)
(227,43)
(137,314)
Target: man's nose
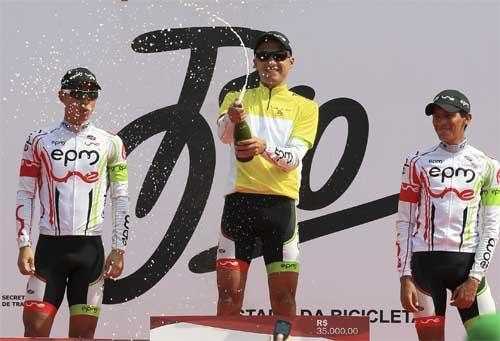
(271,61)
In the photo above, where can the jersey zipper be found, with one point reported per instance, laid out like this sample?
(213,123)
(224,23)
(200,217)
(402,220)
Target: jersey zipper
(450,203)
(269,100)
(88,211)
(433,226)
(56,199)
(464,223)
(73,182)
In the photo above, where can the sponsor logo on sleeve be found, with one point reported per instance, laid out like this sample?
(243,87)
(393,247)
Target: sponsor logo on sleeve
(487,254)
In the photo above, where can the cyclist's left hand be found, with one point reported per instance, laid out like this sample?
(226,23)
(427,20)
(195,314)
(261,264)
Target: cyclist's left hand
(114,264)
(465,294)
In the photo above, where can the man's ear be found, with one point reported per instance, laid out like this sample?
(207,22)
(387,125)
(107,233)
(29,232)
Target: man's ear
(292,60)
(62,96)
(469,118)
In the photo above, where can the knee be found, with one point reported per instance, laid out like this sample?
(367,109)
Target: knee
(82,326)
(283,303)
(37,324)
(35,329)
(282,297)
(230,296)
(229,305)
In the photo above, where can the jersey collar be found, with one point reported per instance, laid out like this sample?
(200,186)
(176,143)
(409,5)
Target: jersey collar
(453,148)
(277,89)
(74,128)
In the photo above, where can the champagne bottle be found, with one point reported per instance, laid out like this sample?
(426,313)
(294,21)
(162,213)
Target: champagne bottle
(242,132)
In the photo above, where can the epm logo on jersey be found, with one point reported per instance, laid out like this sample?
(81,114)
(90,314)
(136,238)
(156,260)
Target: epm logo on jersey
(450,172)
(72,155)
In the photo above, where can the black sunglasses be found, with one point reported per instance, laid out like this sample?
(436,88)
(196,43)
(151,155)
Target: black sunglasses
(278,56)
(83,94)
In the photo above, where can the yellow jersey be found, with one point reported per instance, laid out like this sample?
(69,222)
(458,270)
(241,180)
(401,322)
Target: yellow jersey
(276,115)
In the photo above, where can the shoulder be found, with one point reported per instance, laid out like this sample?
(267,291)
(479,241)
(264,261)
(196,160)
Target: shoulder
(421,152)
(302,101)
(38,133)
(104,133)
(480,154)
(113,141)
(491,166)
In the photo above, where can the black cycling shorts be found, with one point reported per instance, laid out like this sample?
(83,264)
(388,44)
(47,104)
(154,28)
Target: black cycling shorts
(435,272)
(72,263)
(255,223)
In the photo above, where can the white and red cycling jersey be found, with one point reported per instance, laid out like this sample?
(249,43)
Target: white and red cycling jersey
(449,201)
(72,170)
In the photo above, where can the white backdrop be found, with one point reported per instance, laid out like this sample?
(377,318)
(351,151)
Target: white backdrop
(392,57)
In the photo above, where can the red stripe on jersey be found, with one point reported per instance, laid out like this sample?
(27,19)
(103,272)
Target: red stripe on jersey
(415,177)
(20,220)
(409,193)
(89,177)
(465,195)
(36,154)
(40,307)
(425,182)
(29,168)
(232,264)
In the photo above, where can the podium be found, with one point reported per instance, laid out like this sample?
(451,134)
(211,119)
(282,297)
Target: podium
(246,328)
(255,328)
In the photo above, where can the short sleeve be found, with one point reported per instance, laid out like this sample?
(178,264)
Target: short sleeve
(306,123)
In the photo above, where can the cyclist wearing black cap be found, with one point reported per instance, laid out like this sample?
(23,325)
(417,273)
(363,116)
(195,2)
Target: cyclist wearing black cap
(262,193)
(71,165)
(448,222)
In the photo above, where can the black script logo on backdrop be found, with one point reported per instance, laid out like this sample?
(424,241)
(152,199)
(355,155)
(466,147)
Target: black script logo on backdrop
(183,125)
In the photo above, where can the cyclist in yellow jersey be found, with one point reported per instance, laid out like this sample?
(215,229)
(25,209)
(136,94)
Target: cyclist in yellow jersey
(262,193)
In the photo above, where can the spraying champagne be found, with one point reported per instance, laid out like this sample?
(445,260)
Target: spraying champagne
(241,132)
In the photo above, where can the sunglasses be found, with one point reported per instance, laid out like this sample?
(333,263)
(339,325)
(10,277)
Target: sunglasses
(278,56)
(83,94)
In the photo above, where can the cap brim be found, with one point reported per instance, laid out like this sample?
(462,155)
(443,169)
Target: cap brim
(92,83)
(77,86)
(445,107)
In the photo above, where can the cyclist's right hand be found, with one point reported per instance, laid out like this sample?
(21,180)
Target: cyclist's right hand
(26,261)
(236,113)
(408,295)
